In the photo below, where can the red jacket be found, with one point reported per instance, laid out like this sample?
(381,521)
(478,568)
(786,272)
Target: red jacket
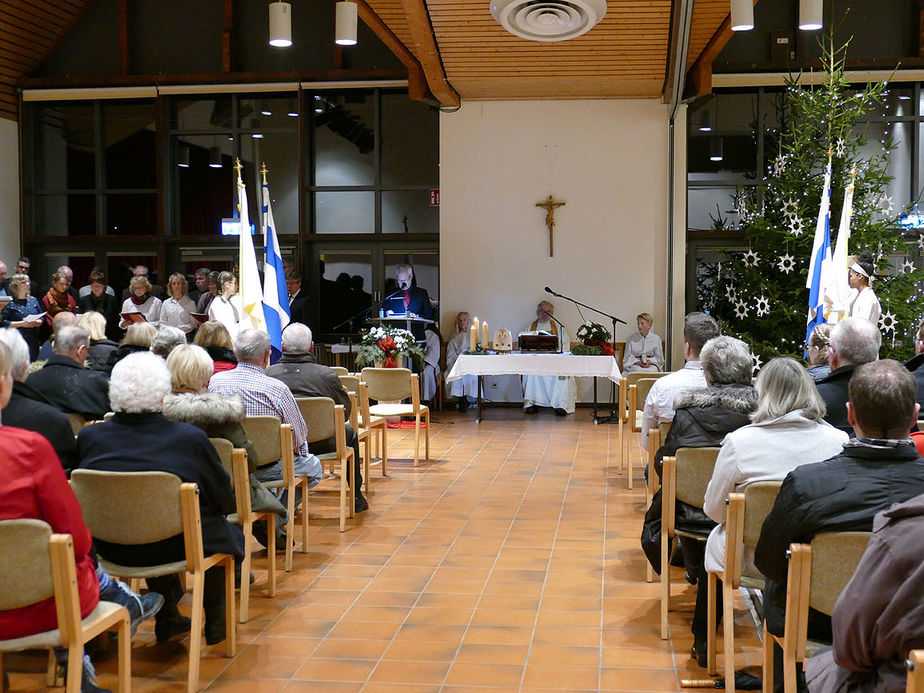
(33,485)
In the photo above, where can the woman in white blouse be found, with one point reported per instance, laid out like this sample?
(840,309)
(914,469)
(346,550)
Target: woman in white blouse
(141,301)
(863,304)
(177,310)
(643,348)
(226,307)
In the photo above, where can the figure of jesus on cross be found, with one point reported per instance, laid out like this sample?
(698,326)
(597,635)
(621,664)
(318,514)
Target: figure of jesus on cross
(550,205)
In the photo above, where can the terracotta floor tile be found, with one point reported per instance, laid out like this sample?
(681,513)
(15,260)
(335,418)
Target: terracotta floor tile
(479,674)
(422,651)
(639,680)
(333,648)
(449,616)
(394,671)
(360,630)
(543,676)
(426,632)
(492,654)
(498,635)
(504,617)
(561,655)
(318,669)
(321,687)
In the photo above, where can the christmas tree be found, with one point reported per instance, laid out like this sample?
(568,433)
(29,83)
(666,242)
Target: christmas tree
(760,295)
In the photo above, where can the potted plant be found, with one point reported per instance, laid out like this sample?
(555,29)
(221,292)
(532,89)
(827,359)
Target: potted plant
(595,336)
(384,346)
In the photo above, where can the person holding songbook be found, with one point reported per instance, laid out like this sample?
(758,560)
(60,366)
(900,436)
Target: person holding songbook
(140,306)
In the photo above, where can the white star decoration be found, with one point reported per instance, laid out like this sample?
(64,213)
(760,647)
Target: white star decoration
(840,148)
(886,204)
(730,293)
(741,310)
(787,263)
(887,322)
(763,306)
(907,267)
(751,259)
(796,227)
(921,242)
(789,207)
(757,362)
(779,165)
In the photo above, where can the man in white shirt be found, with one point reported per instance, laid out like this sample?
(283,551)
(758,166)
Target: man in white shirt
(698,328)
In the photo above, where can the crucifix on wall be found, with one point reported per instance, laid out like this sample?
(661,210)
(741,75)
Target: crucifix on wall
(549,204)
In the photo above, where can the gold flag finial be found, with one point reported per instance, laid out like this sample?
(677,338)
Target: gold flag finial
(263,171)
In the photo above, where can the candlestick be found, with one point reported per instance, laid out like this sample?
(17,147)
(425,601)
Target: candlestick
(472,338)
(484,334)
(477,328)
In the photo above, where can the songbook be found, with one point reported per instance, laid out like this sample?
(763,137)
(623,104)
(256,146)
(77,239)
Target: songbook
(35,317)
(200,317)
(134,317)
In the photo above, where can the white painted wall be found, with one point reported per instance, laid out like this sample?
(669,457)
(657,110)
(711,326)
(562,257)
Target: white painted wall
(9,193)
(607,159)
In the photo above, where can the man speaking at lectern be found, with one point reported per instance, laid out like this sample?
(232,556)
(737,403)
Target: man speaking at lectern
(549,390)
(410,297)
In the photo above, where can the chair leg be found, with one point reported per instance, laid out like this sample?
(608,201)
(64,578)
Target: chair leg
(271,557)
(304,485)
(290,528)
(789,671)
(244,611)
(417,440)
(710,625)
(344,471)
(665,584)
(629,471)
(427,436)
(74,667)
(767,674)
(195,631)
(367,478)
(125,655)
(384,450)
(728,632)
(230,616)
(52,680)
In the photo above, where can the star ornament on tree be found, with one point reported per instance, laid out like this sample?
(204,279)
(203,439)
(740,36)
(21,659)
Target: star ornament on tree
(757,363)
(796,226)
(789,207)
(886,204)
(741,310)
(730,293)
(921,242)
(763,306)
(887,322)
(786,264)
(907,267)
(779,165)
(840,148)
(751,259)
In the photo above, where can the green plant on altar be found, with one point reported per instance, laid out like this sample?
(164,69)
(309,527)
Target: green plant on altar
(385,345)
(586,350)
(593,332)
(760,295)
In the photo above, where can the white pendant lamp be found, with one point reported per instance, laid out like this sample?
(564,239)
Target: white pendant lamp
(716,149)
(742,15)
(346,18)
(280,24)
(810,13)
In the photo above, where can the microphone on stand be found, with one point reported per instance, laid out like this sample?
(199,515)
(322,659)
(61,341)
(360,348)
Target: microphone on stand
(549,291)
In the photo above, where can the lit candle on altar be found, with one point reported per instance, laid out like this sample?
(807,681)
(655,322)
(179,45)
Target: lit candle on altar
(472,338)
(484,334)
(477,331)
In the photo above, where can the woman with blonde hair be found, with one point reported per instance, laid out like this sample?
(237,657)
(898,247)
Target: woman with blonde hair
(100,347)
(141,301)
(226,307)
(138,337)
(643,348)
(819,344)
(177,310)
(214,338)
(465,390)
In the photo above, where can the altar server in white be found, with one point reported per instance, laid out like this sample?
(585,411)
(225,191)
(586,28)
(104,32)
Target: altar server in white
(864,303)
(643,348)
(549,390)
(465,389)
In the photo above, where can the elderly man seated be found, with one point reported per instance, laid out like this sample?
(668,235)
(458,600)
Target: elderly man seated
(876,469)
(266,396)
(64,381)
(139,439)
(854,341)
(305,377)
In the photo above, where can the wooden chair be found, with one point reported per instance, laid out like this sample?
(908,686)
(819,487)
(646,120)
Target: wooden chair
(818,573)
(915,664)
(340,370)
(744,518)
(144,507)
(351,384)
(684,477)
(273,441)
(37,565)
(638,392)
(326,420)
(655,437)
(373,424)
(234,461)
(77,422)
(394,385)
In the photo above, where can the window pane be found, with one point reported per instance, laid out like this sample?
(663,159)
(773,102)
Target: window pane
(409,211)
(707,207)
(899,160)
(130,143)
(206,194)
(426,270)
(344,139)
(345,287)
(65,215)
(65,147)
(345,212)
(410,142)
(202,114)
(277,151)
(269,112)
(131,214)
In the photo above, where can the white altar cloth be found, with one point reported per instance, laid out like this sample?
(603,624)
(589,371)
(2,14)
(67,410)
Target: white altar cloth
(536,364)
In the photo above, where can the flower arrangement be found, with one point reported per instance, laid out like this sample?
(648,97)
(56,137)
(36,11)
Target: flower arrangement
(386,345)
(596,339)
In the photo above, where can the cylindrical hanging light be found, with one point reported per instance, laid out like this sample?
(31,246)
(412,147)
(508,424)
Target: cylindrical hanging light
(706,125)
(280,24)
(345,31)
(215,157)
(716,149)
(182,155)
(742,15)
(810,13)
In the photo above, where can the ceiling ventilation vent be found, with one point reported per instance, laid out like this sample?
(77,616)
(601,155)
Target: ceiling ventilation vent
(548,20)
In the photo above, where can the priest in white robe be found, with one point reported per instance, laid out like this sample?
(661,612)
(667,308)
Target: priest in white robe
(643,348)
(556,392)
(465,389)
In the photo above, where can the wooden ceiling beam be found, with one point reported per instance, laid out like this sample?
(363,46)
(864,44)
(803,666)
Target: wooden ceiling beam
(699,76)
(416,80)
(428,53)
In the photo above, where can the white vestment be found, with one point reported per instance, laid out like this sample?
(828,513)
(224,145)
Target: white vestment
(431,364)
(638,346)
(866,305)
(467,385)
(550,390)
(230,313)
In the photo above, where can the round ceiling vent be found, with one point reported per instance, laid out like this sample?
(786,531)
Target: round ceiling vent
(548,20)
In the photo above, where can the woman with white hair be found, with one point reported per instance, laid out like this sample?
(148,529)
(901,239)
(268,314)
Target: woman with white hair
(138,438)
(141,301)
(787,430)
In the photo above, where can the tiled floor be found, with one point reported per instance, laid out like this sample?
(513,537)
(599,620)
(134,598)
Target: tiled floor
(510,562)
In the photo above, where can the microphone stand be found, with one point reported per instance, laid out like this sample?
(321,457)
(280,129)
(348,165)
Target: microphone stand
(613,418)
(349,320)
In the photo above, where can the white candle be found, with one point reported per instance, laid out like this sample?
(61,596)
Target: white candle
(472,337)
(484,334)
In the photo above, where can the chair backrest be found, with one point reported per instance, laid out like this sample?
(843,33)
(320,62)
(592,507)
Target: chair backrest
(129,507)
(664,428)
(835,556)
(759,498)
(77,422)
(263,431)
(350,382)
(25,566)
(387,384)
(915,664)
(694,470)
(642,388)
(318,413)
(363,395)
(225,450)
(234,460)
(340,370)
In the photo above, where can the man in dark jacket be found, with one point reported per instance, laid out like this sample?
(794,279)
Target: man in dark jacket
(299,305)
(29,410)
(305,377)
(64,381)
(854,341)
(876,469)
(916,364)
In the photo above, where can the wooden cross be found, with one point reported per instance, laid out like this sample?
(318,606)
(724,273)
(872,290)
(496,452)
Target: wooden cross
(550,205)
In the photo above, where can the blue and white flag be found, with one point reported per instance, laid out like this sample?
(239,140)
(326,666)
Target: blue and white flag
(275,294)
(251,293)
(819,274)
(837,291)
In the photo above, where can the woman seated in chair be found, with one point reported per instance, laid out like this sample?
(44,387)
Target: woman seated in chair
(219,417)
(138,338)
(643,348)
(787,431)
(140,439)
(214,338)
